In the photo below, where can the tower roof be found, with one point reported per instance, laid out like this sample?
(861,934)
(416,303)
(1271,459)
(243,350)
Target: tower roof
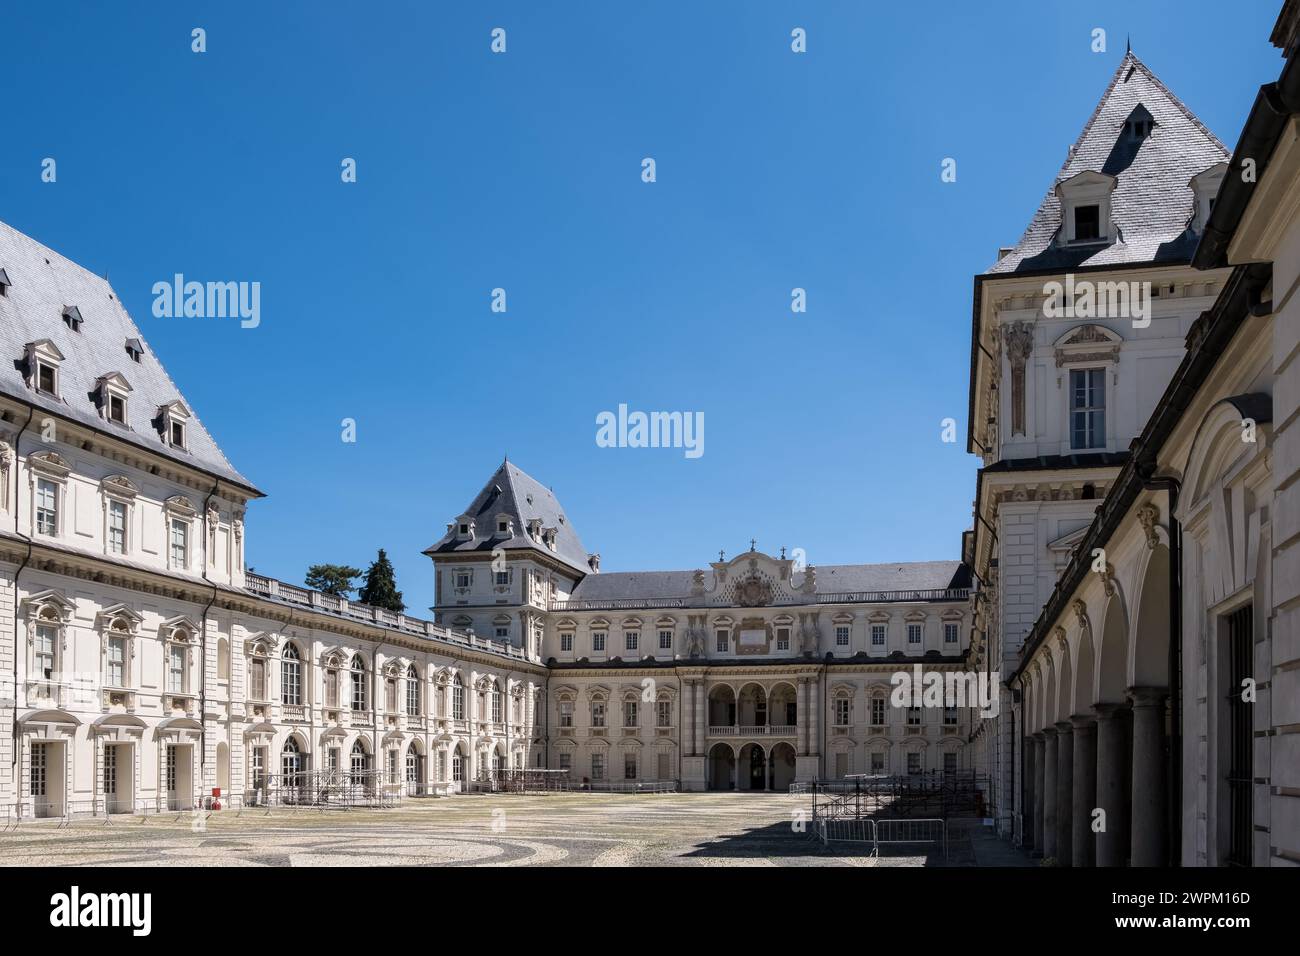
(1151,204)
(518,495)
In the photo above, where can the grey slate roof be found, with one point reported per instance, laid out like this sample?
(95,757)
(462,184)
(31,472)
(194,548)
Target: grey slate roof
(514,492)
(831,578)
(1152,202)
(43,285)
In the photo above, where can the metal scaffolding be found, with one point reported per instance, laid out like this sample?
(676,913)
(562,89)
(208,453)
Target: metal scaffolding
(324,789)
(525,780)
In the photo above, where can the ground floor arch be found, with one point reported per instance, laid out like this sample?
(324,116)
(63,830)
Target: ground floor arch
(721,768)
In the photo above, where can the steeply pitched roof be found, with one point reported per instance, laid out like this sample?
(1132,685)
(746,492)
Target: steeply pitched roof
(831,579)
(43,285)
(1152,203)
(514,492)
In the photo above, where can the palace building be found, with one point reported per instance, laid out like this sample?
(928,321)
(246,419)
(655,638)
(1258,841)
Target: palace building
(143,664)
(1136,512)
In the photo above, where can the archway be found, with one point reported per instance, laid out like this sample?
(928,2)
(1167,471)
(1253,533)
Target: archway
(751,706)
(751,768)
(1150,651)
(1112,671)
(223,767)
(722,706)
(783,706)
(722,767)
(1084,674)
(781,767)
(459,767)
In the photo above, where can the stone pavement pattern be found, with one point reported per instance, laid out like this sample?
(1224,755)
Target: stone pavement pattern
(575,829)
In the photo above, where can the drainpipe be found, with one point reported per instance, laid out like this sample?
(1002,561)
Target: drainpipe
(13,757)
(1174,790)
(203,642)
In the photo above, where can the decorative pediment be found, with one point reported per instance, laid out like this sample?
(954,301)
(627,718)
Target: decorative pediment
(175,409)
(49,462)
(1087,343)
(878,617)
(33,604)
(631,622)
(119,485)
(181,505)
(181,622)
(333,657)
(44,349)
(113,380)
(108,619)
(598,624)
(598,690)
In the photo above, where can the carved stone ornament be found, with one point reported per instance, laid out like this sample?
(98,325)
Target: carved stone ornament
(1019,339)
(1148,516)
(1080,612)
(753,591)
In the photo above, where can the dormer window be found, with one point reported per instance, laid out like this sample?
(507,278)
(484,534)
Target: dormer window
(177,435)
(1205,189)
(72,318)
(4,283)
(42,360)
(113,390)
(135,349)
(1085,208)
(173,423)
(117,409)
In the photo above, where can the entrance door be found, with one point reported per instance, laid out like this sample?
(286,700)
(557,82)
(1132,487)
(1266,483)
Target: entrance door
(118,774)
(757,770)
(177,776)
(457,772)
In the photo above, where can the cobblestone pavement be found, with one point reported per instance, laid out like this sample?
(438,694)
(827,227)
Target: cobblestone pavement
(723,829)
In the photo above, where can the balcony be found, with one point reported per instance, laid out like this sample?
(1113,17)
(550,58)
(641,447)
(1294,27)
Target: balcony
(765,730)
(293,712)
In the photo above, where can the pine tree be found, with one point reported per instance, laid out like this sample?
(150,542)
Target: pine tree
(380,589)
(336,579)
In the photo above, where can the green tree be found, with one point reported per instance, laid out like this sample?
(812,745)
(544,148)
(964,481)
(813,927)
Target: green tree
(333,579)
(380,589)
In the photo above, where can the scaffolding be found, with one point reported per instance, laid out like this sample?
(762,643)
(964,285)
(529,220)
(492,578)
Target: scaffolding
(524,780)
(324,789)
(938,794)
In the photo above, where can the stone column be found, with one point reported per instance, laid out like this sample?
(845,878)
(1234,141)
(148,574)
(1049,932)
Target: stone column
(1040,788)
(1148,828)
(802,730)
(814,718)
(1051,767)
(701,715)
(1111,797)
(1082,843)
(688,716)
(1064,792)
(1027,794)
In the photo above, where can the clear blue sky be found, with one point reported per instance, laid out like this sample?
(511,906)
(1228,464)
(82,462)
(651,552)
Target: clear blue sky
(522,171)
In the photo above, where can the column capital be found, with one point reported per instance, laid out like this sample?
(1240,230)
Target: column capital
(1048,732)
(1147,696)
(1063,727)
(1108,711)
(1084,722)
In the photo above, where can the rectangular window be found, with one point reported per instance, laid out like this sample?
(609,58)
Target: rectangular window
(180,543)
(46,378)
(178,435)
(724,641)
(176,669)
(566,643)
(629,766)
(462,579)
(117,409)
(877,635)
(598,713)
(566,713)
(116,675)
(358,690)
(1087,223)
(913,763)
(47,507)
(663,713)
(257,679)
(878,711)
(950,716)
(951,633)
(914,716)
(877,762)
(566,761)
(949,763)
(665,640)
(412,697)
(841,712)
(842,635)
(782,638)
(841,764)
(331,688)
(1241,739)
(597,766)
(117,527)
(598,642)
(631,639)
(629,713)
(390,695)
(914,633)
(1088,408)
(503,633)
(46,637)
(502,578)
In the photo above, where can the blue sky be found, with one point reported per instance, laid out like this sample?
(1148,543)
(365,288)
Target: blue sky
(522,171)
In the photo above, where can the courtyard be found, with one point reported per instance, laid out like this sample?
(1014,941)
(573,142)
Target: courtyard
(570,829)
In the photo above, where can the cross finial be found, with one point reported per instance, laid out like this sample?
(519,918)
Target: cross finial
(752,542)
(722,556)
(782,552)
(1128,44)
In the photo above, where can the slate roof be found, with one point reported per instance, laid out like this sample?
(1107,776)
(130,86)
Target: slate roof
(43,285)
(831,578)
(1152,203)
(514,492)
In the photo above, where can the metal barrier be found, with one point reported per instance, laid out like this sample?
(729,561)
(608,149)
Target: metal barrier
(913,831)
(632,786)
(849,831)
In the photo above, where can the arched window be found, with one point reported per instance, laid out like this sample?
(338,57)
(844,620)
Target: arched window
(48,628)
(178,661)
(332,681)
(360,763)
(458,698)
(358,683)
(118,653)
(257,673)
(497,716)
(291,677)
(291,763)
(412,691)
